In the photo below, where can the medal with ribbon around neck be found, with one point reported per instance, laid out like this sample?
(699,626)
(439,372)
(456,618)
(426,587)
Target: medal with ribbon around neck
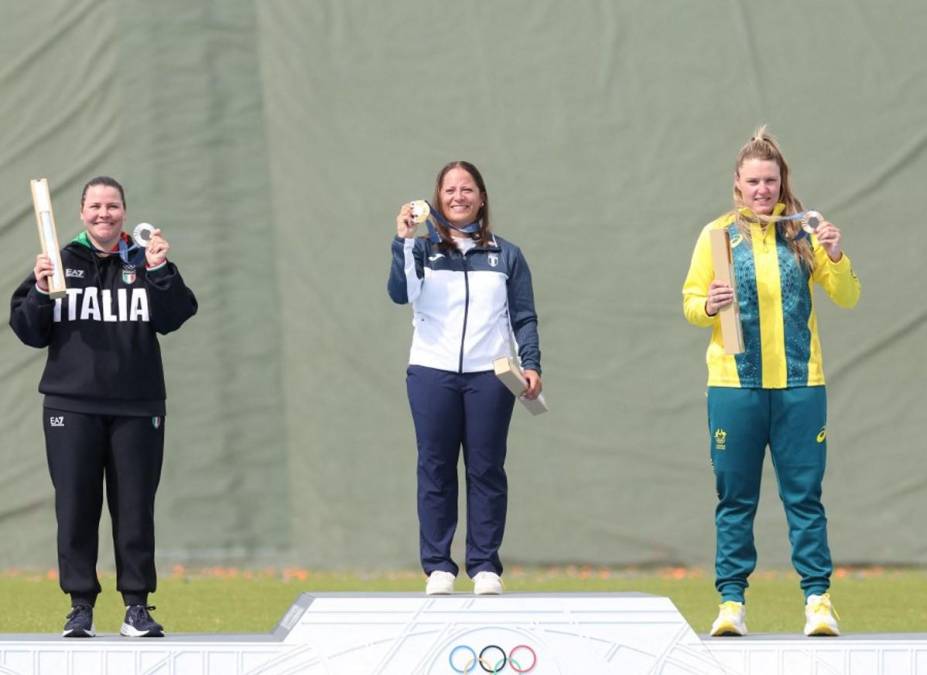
(424,212)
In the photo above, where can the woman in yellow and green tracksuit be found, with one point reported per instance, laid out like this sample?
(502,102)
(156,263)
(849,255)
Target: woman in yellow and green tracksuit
(773,393)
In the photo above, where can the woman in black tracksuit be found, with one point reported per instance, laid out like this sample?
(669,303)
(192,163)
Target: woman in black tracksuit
(104,409)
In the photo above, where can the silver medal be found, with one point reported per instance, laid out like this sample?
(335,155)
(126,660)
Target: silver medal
(142,234)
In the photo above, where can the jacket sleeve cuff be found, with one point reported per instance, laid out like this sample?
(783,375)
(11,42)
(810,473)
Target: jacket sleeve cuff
(157,267)
(841,266)
(42,298)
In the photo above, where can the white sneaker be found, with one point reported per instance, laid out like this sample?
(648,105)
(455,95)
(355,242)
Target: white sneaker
(440,583)
(487,583)
(732,619)
(820,616)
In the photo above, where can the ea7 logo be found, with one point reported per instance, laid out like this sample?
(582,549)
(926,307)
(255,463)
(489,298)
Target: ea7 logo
(75,274)
(56,421)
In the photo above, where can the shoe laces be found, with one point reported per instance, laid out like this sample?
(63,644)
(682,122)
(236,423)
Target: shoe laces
(79,609)
(822,605)
(730,609)
(141,610)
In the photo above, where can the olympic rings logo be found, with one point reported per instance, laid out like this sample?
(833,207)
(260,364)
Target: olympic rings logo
(492,659)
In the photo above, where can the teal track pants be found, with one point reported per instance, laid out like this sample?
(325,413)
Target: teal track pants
(741,424)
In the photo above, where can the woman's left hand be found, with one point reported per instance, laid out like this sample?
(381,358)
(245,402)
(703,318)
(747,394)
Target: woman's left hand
(534,384)
(828,236)
(156,251)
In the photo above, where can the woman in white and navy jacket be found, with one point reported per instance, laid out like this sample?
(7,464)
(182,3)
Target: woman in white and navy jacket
(472,303)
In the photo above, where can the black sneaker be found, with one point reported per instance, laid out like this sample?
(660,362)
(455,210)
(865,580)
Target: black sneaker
(79,623)
(139,623)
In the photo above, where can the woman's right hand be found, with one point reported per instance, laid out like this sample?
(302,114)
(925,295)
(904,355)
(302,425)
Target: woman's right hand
(405,226)
(720,295)
(42,271)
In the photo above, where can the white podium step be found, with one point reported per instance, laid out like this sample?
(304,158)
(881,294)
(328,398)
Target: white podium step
(862,654)
(542,634)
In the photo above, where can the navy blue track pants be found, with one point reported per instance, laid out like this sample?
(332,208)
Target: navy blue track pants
(453,411)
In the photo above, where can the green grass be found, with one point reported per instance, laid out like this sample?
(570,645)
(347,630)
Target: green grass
(222,600)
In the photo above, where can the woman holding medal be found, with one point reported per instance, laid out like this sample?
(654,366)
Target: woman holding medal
(773,392)
(472,299)
(104,398)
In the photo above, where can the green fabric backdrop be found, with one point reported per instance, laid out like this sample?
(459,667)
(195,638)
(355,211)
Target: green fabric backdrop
(274,141)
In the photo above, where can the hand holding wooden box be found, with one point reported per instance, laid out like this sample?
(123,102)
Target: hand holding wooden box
(509,372)
(48,236)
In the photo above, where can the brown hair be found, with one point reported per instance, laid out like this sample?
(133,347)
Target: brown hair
(108,182)
(483,236)
(763,146)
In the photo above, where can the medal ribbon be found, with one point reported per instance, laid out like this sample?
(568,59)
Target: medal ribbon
(433,234)
(133,255)
(809,219)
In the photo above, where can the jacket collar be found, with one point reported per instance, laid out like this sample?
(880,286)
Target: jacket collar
(84,240)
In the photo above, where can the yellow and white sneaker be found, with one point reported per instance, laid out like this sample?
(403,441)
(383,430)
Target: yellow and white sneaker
(732,619)
(820,616)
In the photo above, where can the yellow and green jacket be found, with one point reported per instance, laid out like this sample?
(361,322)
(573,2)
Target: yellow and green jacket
(774,292)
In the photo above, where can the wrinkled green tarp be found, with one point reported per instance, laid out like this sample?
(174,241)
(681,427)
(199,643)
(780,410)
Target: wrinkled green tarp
(273,142)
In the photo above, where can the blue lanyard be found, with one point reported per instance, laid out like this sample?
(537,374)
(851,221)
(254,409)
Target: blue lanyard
(133,255)
(433,234)
(809,222)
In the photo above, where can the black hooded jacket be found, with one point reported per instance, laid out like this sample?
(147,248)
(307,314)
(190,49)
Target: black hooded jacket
(103,353)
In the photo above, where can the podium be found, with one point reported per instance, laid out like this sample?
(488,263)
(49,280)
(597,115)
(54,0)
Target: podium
(408,633)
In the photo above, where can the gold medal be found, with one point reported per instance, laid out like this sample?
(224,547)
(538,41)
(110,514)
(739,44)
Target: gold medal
(420,211)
